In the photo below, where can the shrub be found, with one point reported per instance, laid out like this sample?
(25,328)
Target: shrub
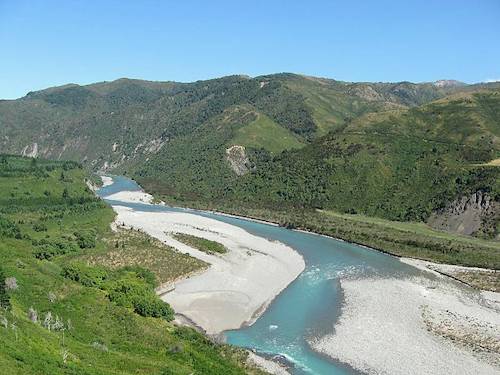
(49,249)
(86,239)
(8,228)
(132,291)
(39,227)
(143,273)
(4,296)
(89,276)
(151,305)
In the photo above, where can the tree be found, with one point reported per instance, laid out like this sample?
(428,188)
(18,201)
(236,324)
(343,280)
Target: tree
(4,296)
(11,283)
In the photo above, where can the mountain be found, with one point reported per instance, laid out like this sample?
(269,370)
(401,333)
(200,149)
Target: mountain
(110,123)
(400,151)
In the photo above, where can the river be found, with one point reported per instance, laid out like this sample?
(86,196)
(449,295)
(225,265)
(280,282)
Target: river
(309,307)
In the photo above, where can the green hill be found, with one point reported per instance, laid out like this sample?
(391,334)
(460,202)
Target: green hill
(399,166)
(115,123)
(73,299)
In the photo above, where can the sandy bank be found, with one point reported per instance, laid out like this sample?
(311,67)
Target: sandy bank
(106,181)
(131,197)
(414,326)
(266,365)
(237,285)
(485,279)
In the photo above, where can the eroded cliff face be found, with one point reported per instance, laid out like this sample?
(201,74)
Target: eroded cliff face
(238,160)
(477,214)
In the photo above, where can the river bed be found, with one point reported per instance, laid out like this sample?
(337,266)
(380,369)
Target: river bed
(308,309)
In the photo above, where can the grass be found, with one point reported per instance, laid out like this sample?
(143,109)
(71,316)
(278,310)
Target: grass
(96,336)
(131,248)
(480,279)
(414,228)
(202,244)
(265,133)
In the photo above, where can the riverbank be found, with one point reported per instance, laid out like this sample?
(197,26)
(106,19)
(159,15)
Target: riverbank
(414,326)
(106,181)
(402,239)
(476,277)
(484,279)
(238,285)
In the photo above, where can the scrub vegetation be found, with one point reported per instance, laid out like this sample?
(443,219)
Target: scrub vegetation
(202,244)
(127,248)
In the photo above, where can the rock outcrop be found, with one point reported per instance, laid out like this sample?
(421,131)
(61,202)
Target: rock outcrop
(238,160)
(467,215)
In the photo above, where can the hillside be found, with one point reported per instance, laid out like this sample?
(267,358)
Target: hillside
(113,123)
(403,164)
(399,165)
(73,299)
(399,151)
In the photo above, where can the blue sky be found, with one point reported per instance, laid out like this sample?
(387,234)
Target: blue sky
(47,43)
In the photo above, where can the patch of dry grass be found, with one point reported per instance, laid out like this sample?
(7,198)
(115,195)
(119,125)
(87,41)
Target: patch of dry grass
(484,280)
(128,247)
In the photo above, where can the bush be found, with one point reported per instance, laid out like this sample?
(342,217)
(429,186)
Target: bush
(92,276)
(130,290)
(49,249)
(130,287)
(8,228)
(143,273)
(153,306)
(39,227)
(4,296)
(86,240)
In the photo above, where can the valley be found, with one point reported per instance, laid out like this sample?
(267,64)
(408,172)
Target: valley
(337,286)
(406,169)
(398,151)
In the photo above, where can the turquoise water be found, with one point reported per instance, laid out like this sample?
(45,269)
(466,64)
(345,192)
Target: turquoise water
(309,306)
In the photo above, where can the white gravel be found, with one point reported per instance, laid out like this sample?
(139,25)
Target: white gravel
(266,364)
(106,181)
(395,326)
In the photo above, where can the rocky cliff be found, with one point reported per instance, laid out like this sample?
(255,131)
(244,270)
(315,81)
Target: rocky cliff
(477,214)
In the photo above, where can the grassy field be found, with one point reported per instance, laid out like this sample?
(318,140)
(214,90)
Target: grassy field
(67,316)
(129,247)
(414,228)
(264,132)
(202,244)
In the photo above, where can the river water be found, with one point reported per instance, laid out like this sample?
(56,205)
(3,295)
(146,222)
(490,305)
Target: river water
(309,307)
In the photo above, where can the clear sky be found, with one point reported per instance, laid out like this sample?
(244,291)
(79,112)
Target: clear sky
(49,42)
